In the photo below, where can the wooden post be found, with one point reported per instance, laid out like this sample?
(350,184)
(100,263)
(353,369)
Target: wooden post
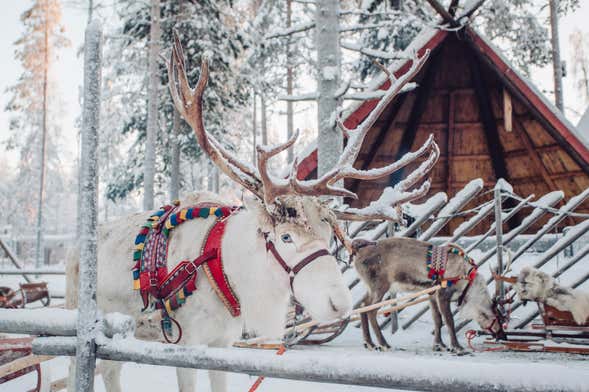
(87,310)
(507,111)
(499,288)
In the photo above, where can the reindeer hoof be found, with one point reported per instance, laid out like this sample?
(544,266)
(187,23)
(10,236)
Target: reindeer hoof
(383,348)
(439,347)
(369,346)
(458,350)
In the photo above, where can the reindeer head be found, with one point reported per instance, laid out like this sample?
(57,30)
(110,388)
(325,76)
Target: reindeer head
(290,210)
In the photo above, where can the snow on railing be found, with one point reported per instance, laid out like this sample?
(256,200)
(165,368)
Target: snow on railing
(114,341)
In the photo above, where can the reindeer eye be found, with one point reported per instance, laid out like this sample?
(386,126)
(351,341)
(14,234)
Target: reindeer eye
(286,238)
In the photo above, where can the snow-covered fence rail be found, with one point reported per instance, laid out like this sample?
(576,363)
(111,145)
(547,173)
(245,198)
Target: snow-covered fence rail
(41,271)
(114,341)
(539,209)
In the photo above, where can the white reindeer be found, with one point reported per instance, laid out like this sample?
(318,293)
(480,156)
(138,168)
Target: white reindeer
(285,211)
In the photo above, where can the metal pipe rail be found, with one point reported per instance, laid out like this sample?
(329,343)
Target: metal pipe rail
(32,272)
(352,369)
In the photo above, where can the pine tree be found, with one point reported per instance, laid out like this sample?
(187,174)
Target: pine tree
(32,95)
(215,33)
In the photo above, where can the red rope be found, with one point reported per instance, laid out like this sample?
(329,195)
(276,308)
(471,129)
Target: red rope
(256,384)
(471,334)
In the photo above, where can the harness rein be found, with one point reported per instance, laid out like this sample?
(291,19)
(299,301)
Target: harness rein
(292,272)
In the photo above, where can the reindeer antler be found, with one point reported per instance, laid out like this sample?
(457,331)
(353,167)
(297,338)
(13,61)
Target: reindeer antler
(262,183)
(188,102)
(387,207)
(327,183)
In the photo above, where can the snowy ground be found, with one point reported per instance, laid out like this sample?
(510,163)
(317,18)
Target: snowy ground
(412,345)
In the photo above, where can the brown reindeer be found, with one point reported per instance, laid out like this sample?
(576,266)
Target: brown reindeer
(399,264)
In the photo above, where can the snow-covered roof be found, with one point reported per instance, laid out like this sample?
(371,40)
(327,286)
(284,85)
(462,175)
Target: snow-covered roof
(430,38)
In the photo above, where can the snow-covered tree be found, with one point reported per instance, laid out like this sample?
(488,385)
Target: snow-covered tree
(214,33)
(580,63)
(33,100)
(155,35)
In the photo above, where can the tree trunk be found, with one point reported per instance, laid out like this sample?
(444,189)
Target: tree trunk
(264,125)
(254,131)
(152,108)
(556,64)
(209,176)
(330,140)
(289,81)
(216,179)
(90,10)
(175,165)
(41,195)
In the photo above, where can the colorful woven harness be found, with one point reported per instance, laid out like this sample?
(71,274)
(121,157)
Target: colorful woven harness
(436,261)
(168,291)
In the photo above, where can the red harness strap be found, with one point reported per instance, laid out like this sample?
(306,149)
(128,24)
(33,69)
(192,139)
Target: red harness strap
(215,272)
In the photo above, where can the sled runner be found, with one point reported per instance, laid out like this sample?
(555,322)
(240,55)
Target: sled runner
(558,333)
(16,360)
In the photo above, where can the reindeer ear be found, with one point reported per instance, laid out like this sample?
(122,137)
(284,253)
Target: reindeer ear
(257,207)
(360,243)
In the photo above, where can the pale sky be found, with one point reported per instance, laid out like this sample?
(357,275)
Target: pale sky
(68,70)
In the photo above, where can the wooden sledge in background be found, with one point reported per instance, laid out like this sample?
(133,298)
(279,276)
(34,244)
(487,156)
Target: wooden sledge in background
(26,294)
(559,333)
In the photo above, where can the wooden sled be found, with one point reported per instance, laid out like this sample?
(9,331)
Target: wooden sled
(26,294)
(16,360)
(558,333)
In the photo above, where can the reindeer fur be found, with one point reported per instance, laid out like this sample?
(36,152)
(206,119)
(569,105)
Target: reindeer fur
(260,283)
(535,285)
(398,264)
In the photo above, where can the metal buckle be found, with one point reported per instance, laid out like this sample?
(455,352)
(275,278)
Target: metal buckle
(193,268)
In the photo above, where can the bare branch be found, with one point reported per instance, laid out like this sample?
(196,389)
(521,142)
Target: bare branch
(298,98)
(291,30)
(371,52)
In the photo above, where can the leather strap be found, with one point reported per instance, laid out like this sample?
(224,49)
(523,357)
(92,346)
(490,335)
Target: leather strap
(215,272)
(299,266)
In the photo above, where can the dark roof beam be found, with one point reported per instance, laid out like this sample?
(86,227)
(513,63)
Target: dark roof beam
(386,128)
(423,94)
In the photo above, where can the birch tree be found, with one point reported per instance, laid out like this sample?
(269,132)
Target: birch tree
(556,64)
(330,139)
(155,36)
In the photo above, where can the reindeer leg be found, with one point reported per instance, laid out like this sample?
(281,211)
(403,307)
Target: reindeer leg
(366,332)
(374,297)
(444,305)
(438,343)
(111,375)
(383,345)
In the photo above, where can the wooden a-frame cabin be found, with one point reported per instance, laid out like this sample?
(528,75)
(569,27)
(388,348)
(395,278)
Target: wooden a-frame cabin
(489,121)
